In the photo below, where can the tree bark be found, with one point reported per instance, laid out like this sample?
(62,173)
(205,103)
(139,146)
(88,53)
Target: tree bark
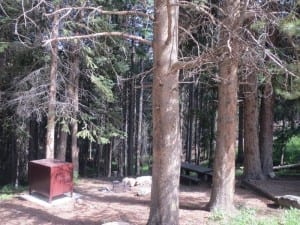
(266,128)
(166,126)
(224,162)
(240,155)
(139,130)
(62,145)
(131,114)
(33,140)
(124,152)
(252,163)
(50,136)
(131,130)
(100,161)
(109,165)
(190,123)
(74,98)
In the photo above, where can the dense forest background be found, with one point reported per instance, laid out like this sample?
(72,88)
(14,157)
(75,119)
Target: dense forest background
(94,84)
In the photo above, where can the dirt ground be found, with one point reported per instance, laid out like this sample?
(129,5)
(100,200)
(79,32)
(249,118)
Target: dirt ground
(97,205)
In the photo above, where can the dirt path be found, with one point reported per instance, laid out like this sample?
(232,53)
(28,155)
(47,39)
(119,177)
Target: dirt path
(96,206)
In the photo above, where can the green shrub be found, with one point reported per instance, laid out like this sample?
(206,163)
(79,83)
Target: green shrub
(291,150)
(292,154)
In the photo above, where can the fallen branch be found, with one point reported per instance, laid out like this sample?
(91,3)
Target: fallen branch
(286,166)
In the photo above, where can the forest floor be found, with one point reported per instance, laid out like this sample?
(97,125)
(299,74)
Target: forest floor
(98,205)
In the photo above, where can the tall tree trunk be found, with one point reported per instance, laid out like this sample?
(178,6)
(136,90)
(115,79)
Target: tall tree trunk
(139,132)
(33,140)
(125,124)
(131,114)
(109,161)
(100,161)
(62,144)
(166,126)
(196,124)
(252,163)
(74,98)
(63,129)
(17,162)
(50,136)
(224,162)
(266,128)
(190,123)
(240,155)
(213,131)
(131,133)
(282,144)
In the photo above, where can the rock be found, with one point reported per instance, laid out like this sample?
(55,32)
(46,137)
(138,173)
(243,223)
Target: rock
(129,181)
(119,186)
(144,181)
(79,201)
(104,189)
(116,223)
(272,175)
(290,201)
(143,191)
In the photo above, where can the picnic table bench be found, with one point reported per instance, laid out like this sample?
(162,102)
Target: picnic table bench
(202,173)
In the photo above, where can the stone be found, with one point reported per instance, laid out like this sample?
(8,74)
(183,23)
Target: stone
(272,175)
(104,189)
(144,181)
(116,223)
(119,186)
(129,181)
(290,201)
(79,201)
(143,191)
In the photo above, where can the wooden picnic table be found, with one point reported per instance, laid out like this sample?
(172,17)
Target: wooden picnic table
(202,173)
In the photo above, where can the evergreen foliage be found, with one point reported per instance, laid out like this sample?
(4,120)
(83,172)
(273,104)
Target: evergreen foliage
(115,71)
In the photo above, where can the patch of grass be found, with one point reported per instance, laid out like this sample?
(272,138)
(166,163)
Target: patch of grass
(217,217)
(288,172)
(244,217)
(5,196)
(290,217)
(247,216)
(8,191)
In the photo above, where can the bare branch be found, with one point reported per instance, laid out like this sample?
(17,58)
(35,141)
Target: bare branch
(200,8)
(192,37)
(4,12)
(104,12)
(24,15)
(102,34)
(204,58)
(274,58)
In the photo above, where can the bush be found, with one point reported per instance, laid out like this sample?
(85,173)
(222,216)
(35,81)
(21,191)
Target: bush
(291,151)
